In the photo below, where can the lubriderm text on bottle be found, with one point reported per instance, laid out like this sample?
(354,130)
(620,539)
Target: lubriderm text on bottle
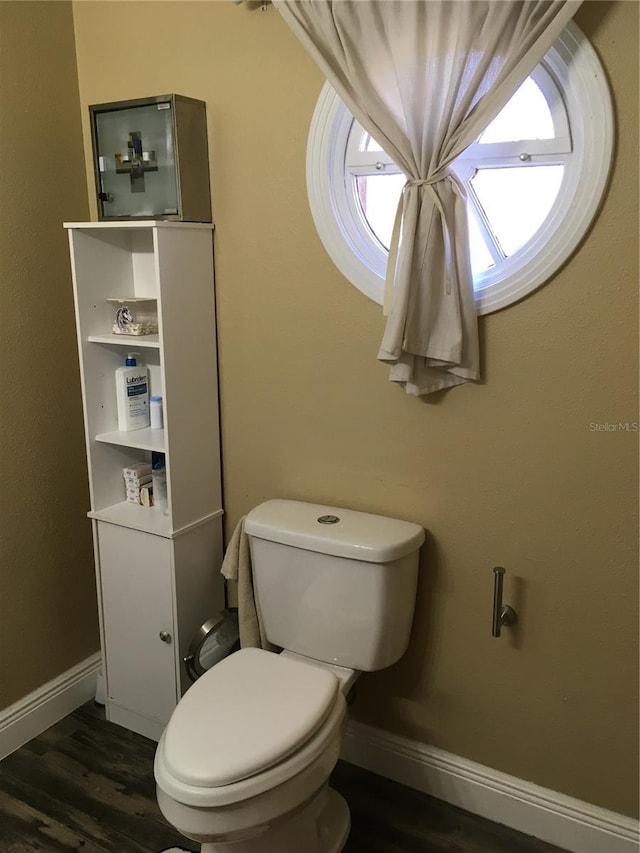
(132,395)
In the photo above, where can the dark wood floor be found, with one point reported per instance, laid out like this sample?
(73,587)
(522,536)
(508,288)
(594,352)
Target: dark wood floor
(86,784)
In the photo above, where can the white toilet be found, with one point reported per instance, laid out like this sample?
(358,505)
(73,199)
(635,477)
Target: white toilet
(244,763)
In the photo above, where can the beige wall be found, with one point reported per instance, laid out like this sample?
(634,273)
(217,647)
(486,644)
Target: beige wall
(504,472)
(48,618)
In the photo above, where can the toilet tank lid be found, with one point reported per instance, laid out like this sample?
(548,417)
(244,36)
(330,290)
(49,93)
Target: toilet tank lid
(355,535)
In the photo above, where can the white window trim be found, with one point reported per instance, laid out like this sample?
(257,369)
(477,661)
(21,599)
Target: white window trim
(574,65)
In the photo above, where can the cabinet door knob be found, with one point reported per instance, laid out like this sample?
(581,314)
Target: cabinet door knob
(165,636)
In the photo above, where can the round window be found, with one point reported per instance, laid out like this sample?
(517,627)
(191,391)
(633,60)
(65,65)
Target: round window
(534,179)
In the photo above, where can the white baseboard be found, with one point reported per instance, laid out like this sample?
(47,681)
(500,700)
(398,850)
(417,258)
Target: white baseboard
(34,713)
(553,817)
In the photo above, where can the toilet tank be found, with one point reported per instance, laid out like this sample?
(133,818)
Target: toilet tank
(334,584)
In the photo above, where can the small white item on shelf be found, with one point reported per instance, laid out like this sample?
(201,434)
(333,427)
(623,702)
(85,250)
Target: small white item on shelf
(134,487)
(146,495)
(140,494)
(137,482)
(134,316)
(155,411)
(137,471)
(132,394)
(136,479)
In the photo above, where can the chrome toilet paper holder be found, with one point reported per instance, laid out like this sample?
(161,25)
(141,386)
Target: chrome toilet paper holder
(502,614)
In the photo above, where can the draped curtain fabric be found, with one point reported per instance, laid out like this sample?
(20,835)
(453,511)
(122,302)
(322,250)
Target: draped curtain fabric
(424,78)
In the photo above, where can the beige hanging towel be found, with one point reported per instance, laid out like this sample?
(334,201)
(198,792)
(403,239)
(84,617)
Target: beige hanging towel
(236,566)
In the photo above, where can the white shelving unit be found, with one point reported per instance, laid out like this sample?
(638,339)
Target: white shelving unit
(158,575)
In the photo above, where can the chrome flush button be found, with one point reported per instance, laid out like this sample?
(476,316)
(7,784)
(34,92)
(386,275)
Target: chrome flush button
(328,519)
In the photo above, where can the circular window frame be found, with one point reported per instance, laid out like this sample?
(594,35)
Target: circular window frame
(575,68)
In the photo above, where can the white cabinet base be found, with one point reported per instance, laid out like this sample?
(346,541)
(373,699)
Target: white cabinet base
(135,722)
(156,592)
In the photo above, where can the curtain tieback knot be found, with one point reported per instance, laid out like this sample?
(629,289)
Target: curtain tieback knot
(425,182)
(428,184)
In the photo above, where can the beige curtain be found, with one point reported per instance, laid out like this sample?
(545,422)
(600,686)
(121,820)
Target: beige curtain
(424,78)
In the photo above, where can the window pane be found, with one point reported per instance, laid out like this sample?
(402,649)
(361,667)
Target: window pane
(481,259)
(526,116)
(379,196)
(369,144)
(517,200)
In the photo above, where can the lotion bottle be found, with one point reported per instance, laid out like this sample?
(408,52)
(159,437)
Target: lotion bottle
(132,394)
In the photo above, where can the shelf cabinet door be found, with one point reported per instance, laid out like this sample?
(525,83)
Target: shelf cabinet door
(137,604)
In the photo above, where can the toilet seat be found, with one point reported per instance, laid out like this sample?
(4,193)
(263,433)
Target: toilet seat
(249,724)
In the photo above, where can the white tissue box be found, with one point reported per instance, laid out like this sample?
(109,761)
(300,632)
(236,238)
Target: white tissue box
(137,472)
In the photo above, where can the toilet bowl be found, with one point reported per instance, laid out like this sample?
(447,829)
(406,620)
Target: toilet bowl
(228,770)
(244,763)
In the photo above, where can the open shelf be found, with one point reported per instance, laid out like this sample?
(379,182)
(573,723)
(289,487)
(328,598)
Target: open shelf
(130,300)
(138,223)
(142,439)
(127,514)
(152,341)
(146,519)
